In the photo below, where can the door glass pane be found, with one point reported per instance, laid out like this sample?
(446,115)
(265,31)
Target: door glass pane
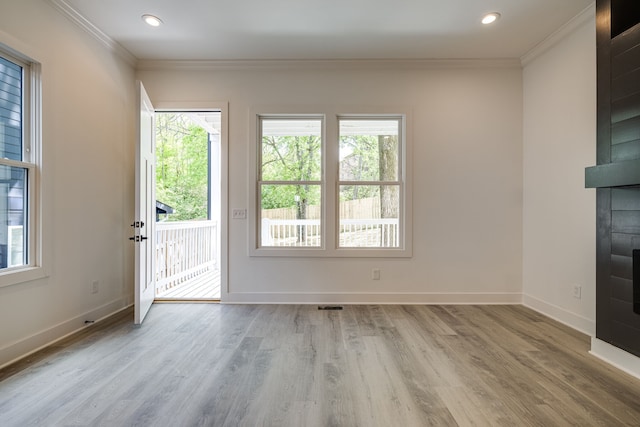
(369,150)
(13,216)
(369,216)
(290,215)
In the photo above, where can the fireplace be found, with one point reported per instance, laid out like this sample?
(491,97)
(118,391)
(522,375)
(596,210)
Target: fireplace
(636,281)
(616,177)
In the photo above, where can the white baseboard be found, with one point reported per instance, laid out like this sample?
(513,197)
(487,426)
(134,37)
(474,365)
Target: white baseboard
(24,347)
(372,298)
(614,356)
(575,321)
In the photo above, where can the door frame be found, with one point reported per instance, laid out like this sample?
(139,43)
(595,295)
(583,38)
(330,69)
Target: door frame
(223,107)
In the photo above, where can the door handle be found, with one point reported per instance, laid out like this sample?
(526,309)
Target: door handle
(138,238)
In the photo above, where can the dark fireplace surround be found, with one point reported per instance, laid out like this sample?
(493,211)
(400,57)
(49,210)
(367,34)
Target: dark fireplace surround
(616,176)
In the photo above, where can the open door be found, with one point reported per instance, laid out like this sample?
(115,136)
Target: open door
(144,223)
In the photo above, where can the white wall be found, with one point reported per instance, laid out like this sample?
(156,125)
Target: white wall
(88,133)
(559,214)
(467,138)
(472,226)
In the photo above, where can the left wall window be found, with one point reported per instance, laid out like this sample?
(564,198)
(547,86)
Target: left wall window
(18,167)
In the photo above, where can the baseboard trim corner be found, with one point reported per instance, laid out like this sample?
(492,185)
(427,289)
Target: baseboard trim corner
(616,357)
(573,320)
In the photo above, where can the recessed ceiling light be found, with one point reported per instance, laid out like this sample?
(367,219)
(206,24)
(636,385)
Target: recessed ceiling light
(490,18)
(154,21)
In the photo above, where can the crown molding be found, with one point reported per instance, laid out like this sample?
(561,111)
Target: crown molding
(324,64)
(587,15)
(77,18)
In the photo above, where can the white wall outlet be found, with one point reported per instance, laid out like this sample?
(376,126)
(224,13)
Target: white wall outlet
(577,291)
(239,213)
(375,274)
(95,287)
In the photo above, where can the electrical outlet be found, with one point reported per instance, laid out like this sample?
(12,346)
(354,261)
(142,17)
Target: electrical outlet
(577,291)
(239,213)
(95,287)
(375,274)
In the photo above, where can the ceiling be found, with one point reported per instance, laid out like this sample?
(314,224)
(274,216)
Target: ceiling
(327,29)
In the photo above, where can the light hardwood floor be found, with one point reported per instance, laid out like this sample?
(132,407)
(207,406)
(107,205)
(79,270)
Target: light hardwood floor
(290,365)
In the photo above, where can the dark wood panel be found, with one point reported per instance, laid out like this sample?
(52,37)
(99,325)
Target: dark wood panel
(626,40)
(625,199)
(622,267)
(625,85)
(603,87)
(622,289)
(625,62)
(625,151)
(628,106)
(636,281)
(623,244)
(626,337)
(625,131)
(618,174)
(603,263)
(623,313)
(625,222)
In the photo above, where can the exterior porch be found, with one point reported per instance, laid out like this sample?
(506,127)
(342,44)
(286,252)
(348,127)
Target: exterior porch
(187,260)
(203,286)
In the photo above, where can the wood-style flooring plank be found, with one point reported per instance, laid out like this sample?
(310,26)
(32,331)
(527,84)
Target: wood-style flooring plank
(295,365)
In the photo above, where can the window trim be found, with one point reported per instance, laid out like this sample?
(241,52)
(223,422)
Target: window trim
(331,182)
(32,162)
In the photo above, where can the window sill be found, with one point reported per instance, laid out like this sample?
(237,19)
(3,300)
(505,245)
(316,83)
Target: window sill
(336,253)
(20,275)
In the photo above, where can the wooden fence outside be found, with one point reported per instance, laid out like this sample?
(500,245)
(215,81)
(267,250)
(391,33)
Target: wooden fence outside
(368,208)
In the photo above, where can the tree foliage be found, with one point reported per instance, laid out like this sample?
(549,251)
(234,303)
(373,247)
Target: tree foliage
(292,159)
(182,166)
(363,158)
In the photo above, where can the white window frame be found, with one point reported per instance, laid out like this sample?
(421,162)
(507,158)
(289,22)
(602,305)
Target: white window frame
(331,181)
(31,161)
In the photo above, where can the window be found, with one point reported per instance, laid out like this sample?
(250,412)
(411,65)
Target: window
(290,182)
(369,184)
(18,171)
(331,185)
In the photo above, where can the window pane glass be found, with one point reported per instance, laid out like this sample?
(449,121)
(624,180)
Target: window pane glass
(291,149)
(13,216)
(290,215)
(10,110)
(369,216)
(369,150)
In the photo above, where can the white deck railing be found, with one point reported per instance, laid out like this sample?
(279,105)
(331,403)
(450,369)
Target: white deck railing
(184,251)
(381,232)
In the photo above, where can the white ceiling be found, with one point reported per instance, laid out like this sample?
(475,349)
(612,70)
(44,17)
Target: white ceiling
(327,29)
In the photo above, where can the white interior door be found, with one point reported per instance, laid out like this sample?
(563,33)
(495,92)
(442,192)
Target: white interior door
(144,222)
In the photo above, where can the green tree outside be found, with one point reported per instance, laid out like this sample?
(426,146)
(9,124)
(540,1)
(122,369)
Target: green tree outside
(182,166)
